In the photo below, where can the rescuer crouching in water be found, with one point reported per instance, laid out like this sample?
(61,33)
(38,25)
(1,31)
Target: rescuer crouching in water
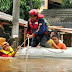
(7,50)
(37,29)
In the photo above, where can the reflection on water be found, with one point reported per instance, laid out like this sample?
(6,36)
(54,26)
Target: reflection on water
(35,65)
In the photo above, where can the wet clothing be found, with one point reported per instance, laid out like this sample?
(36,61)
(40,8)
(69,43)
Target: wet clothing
(51,42)
(33,27)
(39,39)
(61,45)
(40,35)
(7,52)
(3,55)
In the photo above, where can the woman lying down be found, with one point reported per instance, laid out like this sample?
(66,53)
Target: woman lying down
(7,51)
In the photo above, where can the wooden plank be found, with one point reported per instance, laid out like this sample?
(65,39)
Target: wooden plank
(62,37)
(7,17)
(24,36)
(71,41)
(66,30)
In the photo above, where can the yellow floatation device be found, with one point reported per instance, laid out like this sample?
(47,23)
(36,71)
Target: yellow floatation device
(7,52)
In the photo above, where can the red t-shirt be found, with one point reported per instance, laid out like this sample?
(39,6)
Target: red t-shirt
(61,45)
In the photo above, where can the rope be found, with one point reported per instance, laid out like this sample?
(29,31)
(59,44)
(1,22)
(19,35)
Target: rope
(23,42)
(25,70)
(55,52)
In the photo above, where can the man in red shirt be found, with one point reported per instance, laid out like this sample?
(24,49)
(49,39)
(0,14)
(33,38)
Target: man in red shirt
(37,29)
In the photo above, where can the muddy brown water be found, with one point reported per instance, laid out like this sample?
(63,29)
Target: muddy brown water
(35,65)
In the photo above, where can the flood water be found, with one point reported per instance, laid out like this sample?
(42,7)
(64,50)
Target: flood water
(35,65)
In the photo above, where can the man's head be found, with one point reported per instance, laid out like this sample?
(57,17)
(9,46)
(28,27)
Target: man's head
(5,46)
(33,14)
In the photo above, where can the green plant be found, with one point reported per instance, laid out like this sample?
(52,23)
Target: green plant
(66,4)
(7,5)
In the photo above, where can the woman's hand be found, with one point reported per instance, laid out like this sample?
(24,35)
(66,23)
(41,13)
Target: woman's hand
(16,51)
(18,48)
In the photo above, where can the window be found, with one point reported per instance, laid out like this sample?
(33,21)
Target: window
(43,2)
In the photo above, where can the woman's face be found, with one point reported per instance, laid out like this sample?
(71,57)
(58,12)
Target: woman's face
(33,18)
(52,33)
(7,48)
(55,39)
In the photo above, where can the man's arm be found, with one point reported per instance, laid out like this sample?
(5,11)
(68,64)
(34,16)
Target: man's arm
(39,27)
(28,29)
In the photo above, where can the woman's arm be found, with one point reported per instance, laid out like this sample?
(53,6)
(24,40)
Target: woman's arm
(54,45)
(16,51)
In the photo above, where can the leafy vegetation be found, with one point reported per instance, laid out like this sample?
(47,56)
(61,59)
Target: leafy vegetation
(66,3)
(7,5)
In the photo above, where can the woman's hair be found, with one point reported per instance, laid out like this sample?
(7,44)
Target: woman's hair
(54,32)
(55,36)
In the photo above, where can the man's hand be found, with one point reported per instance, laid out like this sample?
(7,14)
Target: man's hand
(30,36)
(27,35)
